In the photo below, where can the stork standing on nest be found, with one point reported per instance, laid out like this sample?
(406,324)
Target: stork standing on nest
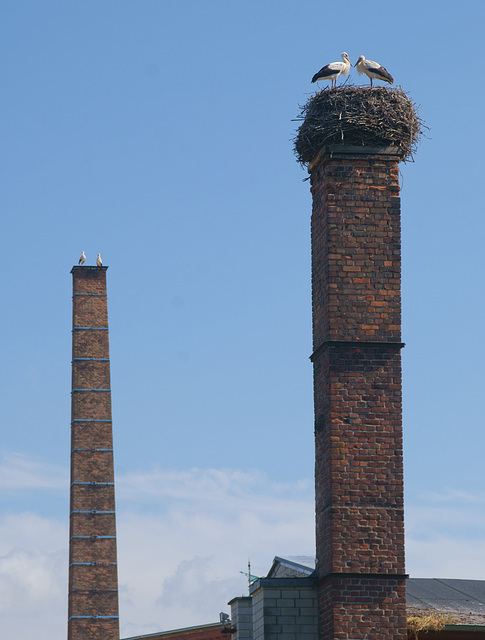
(373,70)
(333,70)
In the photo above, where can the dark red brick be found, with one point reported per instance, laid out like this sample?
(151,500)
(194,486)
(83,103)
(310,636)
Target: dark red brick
(93,580)
(356,286)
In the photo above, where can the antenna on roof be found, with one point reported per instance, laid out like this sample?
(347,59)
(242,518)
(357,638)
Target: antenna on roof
(250,577)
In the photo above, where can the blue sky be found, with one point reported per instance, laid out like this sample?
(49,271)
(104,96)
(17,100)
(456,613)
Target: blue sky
(158,132)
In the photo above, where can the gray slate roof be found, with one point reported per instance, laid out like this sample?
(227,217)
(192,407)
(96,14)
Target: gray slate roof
(463,599)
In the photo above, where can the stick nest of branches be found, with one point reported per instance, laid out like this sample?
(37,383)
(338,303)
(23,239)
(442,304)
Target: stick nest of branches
(349,115)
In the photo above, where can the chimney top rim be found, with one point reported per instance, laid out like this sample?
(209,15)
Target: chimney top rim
(87,267)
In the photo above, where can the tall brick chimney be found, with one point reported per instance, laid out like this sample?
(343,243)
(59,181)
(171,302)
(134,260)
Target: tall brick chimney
(356,291)
(93,579)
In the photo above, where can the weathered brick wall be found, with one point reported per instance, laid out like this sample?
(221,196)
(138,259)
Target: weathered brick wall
(356,284)
(356,246)
(93,581)
(362,607)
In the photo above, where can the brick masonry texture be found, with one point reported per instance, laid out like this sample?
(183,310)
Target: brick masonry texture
(91,405)
(90,311)
(92,373)
(96,575)
(93,549)
(89,599)
(285,612)
(93,344)
(93,581)
(356,266)
(89,465)
(91,524)
(93,496)
(94,435)
(350,607)
(356,288)
(242,617)
(94,628)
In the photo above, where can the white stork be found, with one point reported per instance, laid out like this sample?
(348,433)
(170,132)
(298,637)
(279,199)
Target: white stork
(333,70)
(82,259)
(373,70)
(99,262)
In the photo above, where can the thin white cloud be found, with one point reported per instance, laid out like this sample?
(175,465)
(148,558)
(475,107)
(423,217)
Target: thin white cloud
(33,576)
(19,472)
(208,484)
(213,521)
(185,536)
(454,496)
(444,535)
(446,557)
(31,581)
(28,530)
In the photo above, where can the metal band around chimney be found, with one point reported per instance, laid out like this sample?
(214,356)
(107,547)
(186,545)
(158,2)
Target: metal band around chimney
(95,616)
(73,390)
(89,420)
(93,537)
(97,295)
(356,343)
(92,450)
(94,512)
(93,590)
(92,563)
(356,574)
(93,483)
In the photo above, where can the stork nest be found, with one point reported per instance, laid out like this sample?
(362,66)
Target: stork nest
(358,116)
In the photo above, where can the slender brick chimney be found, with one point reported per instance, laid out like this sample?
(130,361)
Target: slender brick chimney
(93,580)
(356,290)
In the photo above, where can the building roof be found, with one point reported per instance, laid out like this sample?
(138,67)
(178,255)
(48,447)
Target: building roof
(292,566)
(200,632)
(462,600)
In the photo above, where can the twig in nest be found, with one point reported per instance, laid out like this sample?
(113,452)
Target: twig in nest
(360,116)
